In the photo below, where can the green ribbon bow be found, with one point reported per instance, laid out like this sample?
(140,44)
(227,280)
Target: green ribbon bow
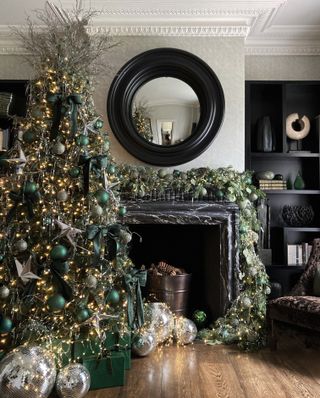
(73,100)
(24,199)
(133,281)
(96,164)
(96,233)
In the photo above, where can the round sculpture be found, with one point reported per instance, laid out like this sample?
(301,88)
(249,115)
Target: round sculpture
(143,343)
(159,318)
(297,128)
(185,330)
(27,372)
(297,216)
(73,381)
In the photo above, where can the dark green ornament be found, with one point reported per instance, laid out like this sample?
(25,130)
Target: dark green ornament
(122,211)
(219,194)
(98,124)
(74,172)
(243,229)
(248,180)
(29,136)
(111,169)
(30,187)
(199,317)
(59,252)
(176,172)
(56,302)
(113,297)
(1,257)
(299,182)
(102,196)
(82,315)
(5,325)
(82,140)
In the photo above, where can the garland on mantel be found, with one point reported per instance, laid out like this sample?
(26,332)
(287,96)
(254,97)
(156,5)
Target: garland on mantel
(244,323)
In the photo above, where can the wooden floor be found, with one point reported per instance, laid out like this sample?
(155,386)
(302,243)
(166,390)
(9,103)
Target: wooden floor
(201,371)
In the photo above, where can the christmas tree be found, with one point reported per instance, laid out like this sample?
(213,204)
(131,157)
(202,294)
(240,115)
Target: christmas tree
(64,269)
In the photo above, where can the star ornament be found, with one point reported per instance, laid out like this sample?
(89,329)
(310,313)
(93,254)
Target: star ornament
(19,161)
(67,231)
(24,271)
(95,320)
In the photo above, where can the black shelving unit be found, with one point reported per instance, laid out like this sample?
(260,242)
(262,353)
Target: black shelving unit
(278,99)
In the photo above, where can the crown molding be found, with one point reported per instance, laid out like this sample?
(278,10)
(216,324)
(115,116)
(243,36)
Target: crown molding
(296,48)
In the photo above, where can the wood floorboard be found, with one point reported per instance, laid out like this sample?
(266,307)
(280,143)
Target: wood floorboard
(202,371)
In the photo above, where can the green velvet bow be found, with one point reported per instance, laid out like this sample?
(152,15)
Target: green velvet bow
(25,199)
(96,164)
(73,100)
(57,100)
(133,281)
(96,233)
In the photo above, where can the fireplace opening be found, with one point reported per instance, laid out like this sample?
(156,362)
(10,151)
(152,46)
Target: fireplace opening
(195,248)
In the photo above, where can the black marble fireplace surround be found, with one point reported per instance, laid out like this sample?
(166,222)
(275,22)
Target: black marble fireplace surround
(201,237)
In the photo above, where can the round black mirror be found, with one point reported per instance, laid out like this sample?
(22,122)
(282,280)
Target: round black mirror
(165,106)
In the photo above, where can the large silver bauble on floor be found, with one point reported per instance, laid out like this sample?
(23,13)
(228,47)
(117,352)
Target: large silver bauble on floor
(27,372)
(143,343)
(160,320)
(185,330)
(73,381)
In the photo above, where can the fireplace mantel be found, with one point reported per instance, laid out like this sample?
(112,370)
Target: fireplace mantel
(225,282)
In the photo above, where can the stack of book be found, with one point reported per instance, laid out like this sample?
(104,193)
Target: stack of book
(299,254)
(272,184)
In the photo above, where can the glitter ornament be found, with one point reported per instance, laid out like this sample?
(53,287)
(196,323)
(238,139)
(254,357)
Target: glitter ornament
(58,148)
(4,292)
(62,195)
(21,245)
(96,211)
(73,381)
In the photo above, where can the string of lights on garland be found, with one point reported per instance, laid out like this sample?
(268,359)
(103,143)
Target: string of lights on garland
(244,323)
(65,276)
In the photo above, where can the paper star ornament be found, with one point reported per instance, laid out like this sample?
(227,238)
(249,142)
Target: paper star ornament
(24,271)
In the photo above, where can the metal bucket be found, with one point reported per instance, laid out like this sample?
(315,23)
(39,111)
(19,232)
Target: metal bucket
(172,290)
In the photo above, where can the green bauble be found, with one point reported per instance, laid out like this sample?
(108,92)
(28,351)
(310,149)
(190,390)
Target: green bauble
(111,169)
(82,140)
(299,182)
(5,325)
(243,229)
(102,196)
(199,317)
(106,145)
(56,302)
(59,252)
(82,315)
(98,124)
(30,187)
(74,172)
(122,211)
(29,136)
(248,180)
(1,257)
(113,297)
(162,173)
(219,194)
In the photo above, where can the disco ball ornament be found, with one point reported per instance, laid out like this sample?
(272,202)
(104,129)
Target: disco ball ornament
(73,381)
(143,342)
(185,330)
(160,319)
(27,372)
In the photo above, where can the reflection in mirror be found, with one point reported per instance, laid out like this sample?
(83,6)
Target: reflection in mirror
(165,111)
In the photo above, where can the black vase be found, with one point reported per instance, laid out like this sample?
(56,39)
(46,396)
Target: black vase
(264,137)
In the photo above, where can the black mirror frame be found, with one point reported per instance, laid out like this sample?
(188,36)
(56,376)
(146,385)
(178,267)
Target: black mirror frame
(165,62)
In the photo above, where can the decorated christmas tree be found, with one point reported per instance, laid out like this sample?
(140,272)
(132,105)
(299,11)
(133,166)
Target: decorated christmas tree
(64,275)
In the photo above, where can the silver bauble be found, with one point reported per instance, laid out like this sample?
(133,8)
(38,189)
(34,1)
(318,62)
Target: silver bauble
(125,236)
(58,148)
(21,245)
(160,320)
(4,292)
(27,372)
(96,211)
(143,343)
(246,302)
(91,281)
(62,195)
(185,330)
(73,381)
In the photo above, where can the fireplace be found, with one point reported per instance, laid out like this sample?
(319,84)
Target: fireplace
(201,237)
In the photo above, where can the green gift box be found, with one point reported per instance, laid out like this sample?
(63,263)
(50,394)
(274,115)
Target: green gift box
(106,372)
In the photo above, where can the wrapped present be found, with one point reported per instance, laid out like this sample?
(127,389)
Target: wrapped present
(106,372)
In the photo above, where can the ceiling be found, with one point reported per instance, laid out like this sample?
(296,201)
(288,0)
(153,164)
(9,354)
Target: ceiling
(268,26)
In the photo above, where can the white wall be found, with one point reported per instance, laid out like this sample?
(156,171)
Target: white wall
(282,67)
(224,55)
